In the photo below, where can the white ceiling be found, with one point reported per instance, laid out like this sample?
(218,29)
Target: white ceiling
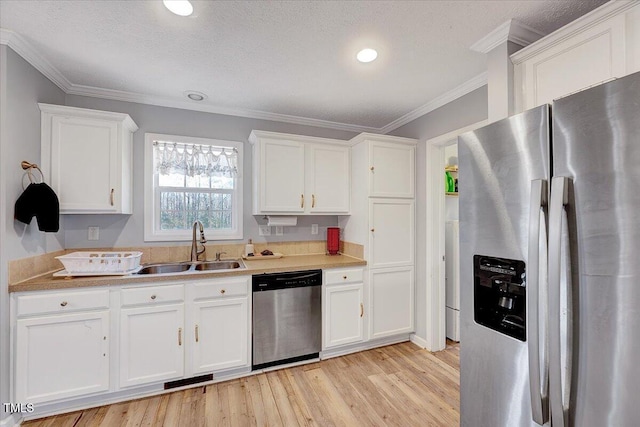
(278,59)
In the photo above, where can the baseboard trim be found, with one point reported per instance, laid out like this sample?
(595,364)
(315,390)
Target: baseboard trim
(420,342)
(362,346)
(12,420)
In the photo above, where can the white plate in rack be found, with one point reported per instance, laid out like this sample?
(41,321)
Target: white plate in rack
(63,273)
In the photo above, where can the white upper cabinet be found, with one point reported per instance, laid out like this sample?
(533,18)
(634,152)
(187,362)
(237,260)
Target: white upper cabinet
(602,45)
(299,175)
(387,163)
(87,159)
(327,178)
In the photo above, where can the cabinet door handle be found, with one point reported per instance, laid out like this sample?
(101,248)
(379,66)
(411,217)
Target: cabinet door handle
(313,200)
(179,336)
(111,196)
(373,230)
(63,304)
(371,168)
(344,277)
(302,200)
(197,336)
(361,310)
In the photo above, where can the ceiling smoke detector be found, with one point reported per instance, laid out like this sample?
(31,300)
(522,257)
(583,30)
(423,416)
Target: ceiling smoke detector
(367,55)
(195,96)
(179,7)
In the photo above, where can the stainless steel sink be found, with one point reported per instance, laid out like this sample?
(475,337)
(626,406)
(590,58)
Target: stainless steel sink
(191,267)
(217,265)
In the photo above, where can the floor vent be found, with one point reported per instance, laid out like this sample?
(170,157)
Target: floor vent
(188,381)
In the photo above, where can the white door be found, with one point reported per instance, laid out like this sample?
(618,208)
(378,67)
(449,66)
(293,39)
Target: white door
(62,356)
(151,344)
(219,335)
(84,163)
(391,301)
(282,176)
(391,232)
(328,179)
(392,167)
(344,311)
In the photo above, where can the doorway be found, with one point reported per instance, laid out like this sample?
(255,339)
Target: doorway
(440,208)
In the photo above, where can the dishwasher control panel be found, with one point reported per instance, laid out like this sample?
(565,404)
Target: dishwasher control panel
(291,279)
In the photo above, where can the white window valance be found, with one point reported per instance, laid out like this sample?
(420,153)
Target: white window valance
(195,159)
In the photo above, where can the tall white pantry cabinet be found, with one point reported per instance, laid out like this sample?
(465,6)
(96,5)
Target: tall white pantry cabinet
(383,221)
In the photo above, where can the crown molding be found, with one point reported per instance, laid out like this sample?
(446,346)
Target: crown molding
(23,48)
(585,22)
(160,101)
(465,88)
(28,53)
(513,31)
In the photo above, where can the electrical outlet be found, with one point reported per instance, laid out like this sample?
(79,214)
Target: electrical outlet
(314,228)
(93,233)
(264,230)
(279,230)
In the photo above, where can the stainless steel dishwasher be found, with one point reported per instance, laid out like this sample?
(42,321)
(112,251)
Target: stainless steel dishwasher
(287,325)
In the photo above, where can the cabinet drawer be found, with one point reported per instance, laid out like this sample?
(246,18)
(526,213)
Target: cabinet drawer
(152,295)
(333,277)
(61,302)
(218,289)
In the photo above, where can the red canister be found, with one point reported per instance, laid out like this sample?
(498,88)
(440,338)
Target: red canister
(333,240)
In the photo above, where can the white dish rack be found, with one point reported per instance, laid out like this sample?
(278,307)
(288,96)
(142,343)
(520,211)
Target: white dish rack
(87,263)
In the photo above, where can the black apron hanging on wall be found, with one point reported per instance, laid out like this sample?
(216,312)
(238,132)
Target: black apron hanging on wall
(38,200)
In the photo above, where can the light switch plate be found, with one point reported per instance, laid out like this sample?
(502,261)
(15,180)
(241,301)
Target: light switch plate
(314,228)
(264,230)
(93,233)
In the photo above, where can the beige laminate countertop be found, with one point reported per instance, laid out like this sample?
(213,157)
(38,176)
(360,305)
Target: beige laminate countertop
(286,263)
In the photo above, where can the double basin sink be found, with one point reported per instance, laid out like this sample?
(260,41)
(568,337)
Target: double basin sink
(190,267)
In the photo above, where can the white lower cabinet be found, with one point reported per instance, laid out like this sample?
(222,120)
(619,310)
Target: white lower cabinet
(151,344)
(392,301)
(220,332)
(343,308)
(64,353)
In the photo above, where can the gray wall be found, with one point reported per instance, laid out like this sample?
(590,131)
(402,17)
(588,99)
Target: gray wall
(127,230)
(21,88)
(457,114)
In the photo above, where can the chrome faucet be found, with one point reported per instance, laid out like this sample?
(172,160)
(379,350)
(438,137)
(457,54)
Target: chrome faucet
(195,253)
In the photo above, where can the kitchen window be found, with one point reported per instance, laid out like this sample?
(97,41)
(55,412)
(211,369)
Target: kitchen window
(189,179)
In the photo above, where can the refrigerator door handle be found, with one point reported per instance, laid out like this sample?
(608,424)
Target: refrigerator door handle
(536,343)
(559,381)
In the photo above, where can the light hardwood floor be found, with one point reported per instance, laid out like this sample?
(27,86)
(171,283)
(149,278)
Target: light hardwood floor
(397,385)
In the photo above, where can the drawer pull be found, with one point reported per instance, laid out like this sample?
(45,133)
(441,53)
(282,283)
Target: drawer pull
(153,297)
(197,336)
(222,291)
(179,336)
(63,304)
(344,277)
(361,310)
(373,230)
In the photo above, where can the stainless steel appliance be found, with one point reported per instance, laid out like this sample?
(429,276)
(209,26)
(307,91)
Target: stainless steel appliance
(550,264)
(286,317)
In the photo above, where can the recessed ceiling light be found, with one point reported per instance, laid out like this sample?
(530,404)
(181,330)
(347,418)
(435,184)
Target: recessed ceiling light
(195,96)
(367,55)
(179,7)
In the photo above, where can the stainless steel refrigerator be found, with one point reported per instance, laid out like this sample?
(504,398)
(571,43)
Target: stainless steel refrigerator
(550,264)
